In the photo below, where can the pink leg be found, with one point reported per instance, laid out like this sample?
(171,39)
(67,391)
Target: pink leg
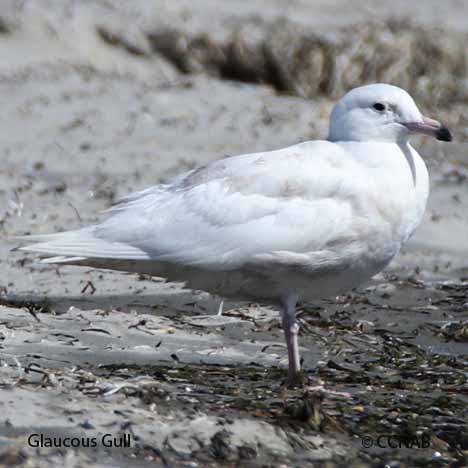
(291,331)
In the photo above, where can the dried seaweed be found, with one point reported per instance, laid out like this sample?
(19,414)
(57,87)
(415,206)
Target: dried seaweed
(431,64)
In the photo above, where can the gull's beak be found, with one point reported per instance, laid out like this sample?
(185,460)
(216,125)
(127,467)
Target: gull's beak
(430,127)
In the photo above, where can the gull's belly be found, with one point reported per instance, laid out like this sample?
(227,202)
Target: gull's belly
(272,283)
(317,278)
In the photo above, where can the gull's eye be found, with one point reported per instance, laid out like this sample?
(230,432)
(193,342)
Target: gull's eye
(378,106)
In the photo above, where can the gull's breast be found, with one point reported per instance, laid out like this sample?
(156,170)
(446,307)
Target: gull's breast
(386,215)
(401,202)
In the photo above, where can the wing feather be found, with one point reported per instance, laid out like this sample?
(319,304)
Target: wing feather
(225,214)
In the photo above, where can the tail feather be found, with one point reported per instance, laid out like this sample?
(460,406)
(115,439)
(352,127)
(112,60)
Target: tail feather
(81,243)
(63,259)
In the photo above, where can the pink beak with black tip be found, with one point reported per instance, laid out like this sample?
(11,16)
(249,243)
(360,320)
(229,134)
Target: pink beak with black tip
(430,127)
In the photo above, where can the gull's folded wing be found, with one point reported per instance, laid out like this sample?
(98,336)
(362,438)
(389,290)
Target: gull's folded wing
(226,214)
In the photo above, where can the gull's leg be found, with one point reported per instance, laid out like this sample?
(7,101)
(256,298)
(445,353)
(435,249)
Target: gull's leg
(291,332)
(220,308)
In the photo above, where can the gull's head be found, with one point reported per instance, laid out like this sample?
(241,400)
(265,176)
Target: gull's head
(381,112)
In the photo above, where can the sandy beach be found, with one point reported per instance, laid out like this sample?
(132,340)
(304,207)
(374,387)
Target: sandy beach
(103,98)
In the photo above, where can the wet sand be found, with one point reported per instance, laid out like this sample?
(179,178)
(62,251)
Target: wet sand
(86,119)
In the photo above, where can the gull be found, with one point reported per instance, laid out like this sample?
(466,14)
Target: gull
(296,224)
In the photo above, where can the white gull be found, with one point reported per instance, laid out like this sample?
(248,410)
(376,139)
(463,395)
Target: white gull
(304,222)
